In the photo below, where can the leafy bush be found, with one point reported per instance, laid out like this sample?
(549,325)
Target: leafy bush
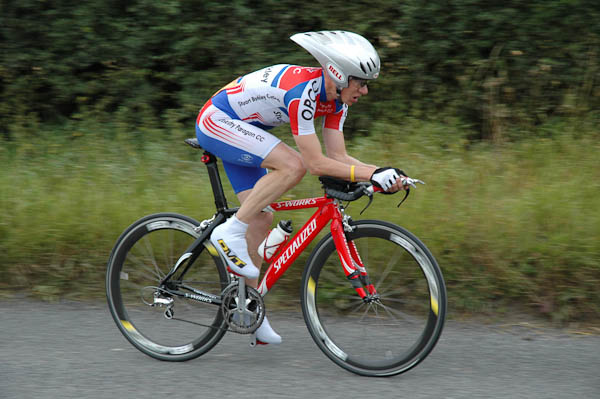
(493,65)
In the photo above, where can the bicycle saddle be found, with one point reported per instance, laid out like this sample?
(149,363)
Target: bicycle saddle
(193,142)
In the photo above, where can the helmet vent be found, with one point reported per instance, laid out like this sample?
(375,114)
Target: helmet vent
(363,67)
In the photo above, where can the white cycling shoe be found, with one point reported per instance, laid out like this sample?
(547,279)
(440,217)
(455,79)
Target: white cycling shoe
(266,335)
(229,239)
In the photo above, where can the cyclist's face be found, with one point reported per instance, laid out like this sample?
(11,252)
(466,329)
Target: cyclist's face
(356,88)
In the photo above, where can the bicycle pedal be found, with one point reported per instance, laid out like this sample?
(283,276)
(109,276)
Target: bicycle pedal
(254,341)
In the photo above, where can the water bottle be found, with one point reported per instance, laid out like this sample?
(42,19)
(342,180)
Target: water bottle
(275,239)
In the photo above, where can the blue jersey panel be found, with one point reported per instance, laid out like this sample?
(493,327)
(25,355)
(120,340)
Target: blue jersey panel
(221,101)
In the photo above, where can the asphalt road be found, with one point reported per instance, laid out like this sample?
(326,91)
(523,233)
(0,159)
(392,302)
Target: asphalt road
(74,350)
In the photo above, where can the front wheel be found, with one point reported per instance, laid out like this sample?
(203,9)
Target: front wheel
(386,334)
(157,322)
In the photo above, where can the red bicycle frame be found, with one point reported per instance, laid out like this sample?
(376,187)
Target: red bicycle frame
(327,210)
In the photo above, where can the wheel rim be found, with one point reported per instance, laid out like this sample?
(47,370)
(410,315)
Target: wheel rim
(394,333)
(145,257)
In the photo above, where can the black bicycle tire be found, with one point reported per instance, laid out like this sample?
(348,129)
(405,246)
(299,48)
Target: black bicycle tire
(125,242)
(322,251)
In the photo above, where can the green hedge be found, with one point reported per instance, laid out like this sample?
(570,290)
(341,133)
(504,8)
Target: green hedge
(492,64)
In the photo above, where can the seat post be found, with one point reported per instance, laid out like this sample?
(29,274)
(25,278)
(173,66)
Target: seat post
(215,180)
(213,174)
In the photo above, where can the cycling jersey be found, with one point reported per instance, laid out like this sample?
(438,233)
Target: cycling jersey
(281,94)
(233,123)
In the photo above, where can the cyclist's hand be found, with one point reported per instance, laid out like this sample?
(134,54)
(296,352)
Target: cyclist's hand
(388,179)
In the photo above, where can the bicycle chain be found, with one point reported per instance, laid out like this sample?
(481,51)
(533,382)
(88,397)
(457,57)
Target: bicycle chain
(202,325)
(228,295)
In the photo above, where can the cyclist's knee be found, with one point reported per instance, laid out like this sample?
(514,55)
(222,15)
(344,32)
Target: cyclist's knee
(295,169)
(287,161)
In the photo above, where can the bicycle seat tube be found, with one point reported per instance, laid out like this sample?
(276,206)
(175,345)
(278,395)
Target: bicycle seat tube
(215,181)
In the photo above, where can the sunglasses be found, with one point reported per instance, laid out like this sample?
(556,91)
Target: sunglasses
(361,82)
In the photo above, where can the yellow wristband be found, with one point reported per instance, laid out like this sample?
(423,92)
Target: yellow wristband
(352,179)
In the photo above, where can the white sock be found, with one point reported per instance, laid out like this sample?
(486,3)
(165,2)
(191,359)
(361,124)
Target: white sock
(236,226)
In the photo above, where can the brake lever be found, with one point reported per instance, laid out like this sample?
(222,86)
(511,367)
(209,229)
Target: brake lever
(368,190)
(406,181)
(409,181)
(404,199)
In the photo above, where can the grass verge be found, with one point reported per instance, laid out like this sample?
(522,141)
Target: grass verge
(515,224)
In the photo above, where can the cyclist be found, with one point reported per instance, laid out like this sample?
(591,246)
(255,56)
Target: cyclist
(233,124)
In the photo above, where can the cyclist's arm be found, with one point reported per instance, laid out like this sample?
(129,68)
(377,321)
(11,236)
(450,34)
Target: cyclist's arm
(320,165)
(335,147)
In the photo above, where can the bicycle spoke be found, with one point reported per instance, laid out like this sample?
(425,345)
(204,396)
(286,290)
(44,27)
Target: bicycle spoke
(399,291)
(152,271)
(354,304)
(404,315)
(336,278)
(387,310)
(169,260)
(358,308)
(389,334)
(151,257)
(365,312)
(387,270)
(396,300)
(423,302)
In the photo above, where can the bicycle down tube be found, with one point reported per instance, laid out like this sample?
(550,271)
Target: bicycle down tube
(327,211)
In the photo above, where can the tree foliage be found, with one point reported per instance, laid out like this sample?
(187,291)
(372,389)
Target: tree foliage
(493,65)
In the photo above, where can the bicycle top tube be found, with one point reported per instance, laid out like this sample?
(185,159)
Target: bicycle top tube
(304,203)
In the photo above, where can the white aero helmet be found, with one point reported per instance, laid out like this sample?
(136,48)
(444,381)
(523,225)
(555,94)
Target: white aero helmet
(342,54)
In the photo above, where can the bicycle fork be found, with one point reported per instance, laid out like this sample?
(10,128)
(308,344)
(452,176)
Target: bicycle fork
(352,263)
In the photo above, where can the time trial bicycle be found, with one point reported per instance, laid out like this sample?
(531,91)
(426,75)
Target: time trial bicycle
(373,296)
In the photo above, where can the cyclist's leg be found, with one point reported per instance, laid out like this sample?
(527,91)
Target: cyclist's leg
(286,169)
(240,143)
(244,150)
(258,228)
(239,153)
(241,147)
(250,185)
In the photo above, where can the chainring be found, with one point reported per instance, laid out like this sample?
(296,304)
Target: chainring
(242,322)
